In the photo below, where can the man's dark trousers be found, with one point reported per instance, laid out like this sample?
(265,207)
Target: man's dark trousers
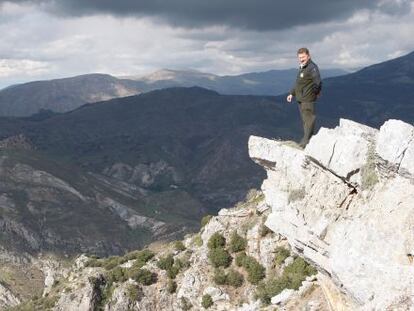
(307,113)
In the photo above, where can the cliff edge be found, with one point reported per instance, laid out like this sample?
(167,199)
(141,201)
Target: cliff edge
(345,204)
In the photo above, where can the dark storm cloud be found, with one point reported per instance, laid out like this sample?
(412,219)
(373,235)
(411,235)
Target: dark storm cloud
(246,14)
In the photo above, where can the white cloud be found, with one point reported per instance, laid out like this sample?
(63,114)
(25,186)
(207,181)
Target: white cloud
(38,45)
(13,67)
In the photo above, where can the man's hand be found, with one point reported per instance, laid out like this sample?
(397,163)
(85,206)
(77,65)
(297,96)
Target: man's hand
(289,98)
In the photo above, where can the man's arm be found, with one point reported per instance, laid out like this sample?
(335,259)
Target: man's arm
(317,82)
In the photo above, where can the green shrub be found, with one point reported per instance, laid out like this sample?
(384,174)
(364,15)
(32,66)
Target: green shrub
(234,278)
(237,243)
(297,272)
(292,277)
(266,290)
(179,246)
(216,240)
(206,301)
(141,257)
(220,277)
(185,304)
(94,262)
(255,271)
(173,271)
(144,256)
(240,258)
(143,276)
(171,286)
(197,240)
(111,262)
(182,263)
(133,292)
(165,263)
(117,274)
(281,253)
(219,257)
(205,220)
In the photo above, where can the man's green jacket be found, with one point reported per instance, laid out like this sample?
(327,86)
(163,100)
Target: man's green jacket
(308,83)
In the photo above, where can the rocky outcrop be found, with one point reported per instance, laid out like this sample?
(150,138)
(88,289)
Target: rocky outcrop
(110,285)
(345,204)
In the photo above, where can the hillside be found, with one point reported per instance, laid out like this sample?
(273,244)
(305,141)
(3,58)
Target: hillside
(189,139)
(329,230)
(372,95)
(50,206)
(62,95)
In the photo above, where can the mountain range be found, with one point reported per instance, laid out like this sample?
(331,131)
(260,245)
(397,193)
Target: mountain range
(61,95)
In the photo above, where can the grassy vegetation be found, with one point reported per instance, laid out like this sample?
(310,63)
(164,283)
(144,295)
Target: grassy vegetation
(237,243)
(292,277)
(207,301)
(171,265)
(197,240)
(219,257)
(369,176)
(216,240)
(281,253)
(179,246)
(140,257)
(43,303)
(133,292)
(255,271)
(205,220)
(171,286)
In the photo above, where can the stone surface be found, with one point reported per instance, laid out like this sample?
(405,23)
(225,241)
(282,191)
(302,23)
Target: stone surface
(360,239)
(283,296)
(343,149)
(396,144)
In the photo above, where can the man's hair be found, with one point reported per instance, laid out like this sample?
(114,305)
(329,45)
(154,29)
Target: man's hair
(303,50)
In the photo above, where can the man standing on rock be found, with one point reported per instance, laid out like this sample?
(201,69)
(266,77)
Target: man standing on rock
(306,90)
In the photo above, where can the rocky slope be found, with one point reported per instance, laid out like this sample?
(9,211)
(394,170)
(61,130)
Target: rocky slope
(121,283)
(345,204)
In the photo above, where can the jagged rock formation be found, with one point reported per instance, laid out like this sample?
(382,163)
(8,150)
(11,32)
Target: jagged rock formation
(345,204)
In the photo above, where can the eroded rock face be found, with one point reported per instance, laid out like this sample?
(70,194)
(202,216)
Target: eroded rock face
(345,204)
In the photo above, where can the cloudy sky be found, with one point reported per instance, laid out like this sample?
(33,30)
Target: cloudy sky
(44,39)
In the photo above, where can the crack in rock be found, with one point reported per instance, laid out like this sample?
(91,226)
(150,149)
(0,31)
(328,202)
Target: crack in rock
(405,150)
(332,154)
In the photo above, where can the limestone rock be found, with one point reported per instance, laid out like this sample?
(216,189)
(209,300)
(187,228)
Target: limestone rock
(359,238)
(283,296)
(396,144)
